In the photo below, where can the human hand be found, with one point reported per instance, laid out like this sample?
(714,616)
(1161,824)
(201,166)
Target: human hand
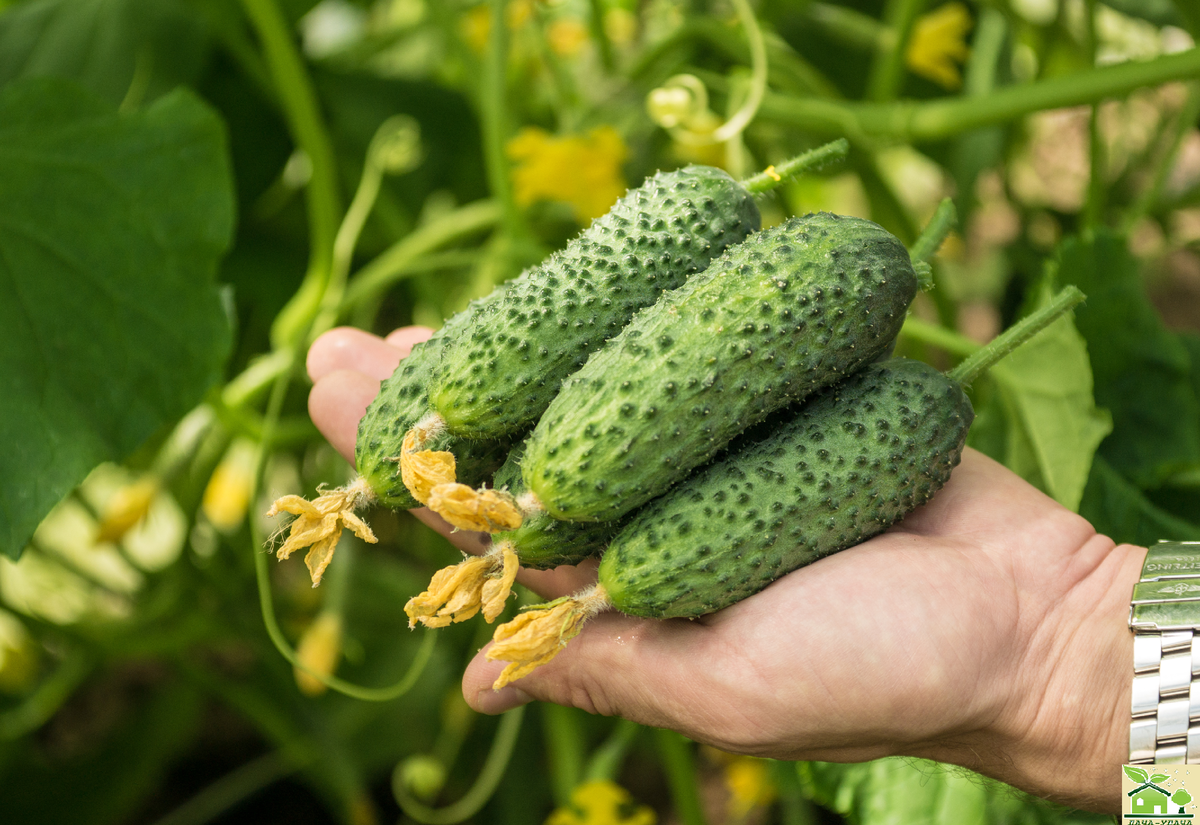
(988,629)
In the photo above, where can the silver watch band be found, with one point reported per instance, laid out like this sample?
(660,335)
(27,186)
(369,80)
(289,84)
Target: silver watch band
(1164,615)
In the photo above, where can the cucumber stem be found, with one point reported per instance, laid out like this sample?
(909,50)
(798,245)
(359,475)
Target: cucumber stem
(810,161)
(1015,336)
(939,226)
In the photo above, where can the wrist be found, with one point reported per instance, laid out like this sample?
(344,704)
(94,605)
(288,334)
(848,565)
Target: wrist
(1061,729)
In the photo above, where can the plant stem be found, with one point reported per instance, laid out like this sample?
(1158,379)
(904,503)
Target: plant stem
(485,785)
(938,336)
(1093,208)
(50,695)
(887,70)
(677,759)
(600,35)
(564,750)
(939,226)
(934,120)
(1014,336)
(851,28)
(1183,124)
(304,120)
(736,124)
(606,760)
(397,261)
(493,95)
(807,162)
(229,790)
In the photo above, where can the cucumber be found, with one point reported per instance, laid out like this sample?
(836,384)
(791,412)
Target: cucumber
(852,461)
(776,318)
(402,402)
(498,379)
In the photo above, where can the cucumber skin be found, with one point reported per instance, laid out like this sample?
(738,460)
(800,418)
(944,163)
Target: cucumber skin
(500,378)
(543,542)
(402,402)
(851,462)
(793,309)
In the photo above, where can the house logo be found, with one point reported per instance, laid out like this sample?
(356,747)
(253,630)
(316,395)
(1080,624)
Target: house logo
(1156,796)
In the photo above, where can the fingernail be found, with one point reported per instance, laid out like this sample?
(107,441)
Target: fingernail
(498,701)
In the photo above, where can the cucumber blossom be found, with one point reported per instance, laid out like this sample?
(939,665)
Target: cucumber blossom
(789,311)
(484,583)
(850,463)
(499,378)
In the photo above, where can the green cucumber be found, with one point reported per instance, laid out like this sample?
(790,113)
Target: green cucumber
(847,464)
(499,378)
(402,402)
(852,461)
(776,318)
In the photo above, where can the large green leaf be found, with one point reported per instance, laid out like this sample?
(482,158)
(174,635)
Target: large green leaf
(110,320)
(1119,510)
(900,791)
(1041,419)
(138,49)
(1142,371)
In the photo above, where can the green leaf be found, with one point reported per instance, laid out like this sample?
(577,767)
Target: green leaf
(1142,371)
(1119,510)
(1136,774)
(1158,777)
(135,49)
(902,791)
(111,228)
(1051,425)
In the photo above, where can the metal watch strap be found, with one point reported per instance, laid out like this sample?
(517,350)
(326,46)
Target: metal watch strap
(1164,615)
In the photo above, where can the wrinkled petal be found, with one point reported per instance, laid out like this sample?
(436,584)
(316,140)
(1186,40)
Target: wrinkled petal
(487,510)
(319,556)
(420,469)
(496,590)
(535,637)
(452,591)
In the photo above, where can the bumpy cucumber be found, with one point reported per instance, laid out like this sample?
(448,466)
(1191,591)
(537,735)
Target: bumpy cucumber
(541,541)
(403,401)
(498,379)
(854,460)
(791,310)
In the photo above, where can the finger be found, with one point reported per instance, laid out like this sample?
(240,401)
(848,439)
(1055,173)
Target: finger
(651,672)
(336,402)
(347,348)
(405,338)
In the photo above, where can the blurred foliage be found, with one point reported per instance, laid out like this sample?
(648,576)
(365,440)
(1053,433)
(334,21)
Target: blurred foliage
(175,229)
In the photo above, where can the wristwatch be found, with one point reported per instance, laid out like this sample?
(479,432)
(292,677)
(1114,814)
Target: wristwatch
(1164,615)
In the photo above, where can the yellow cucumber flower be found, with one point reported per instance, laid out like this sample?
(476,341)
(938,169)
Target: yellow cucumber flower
(938,46)
(583,171)
(126,509)
(227,495)
(319,650)
(601,802)
(749,783)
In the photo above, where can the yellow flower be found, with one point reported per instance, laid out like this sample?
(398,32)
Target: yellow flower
(127,507)
(567,37)
(18,656)
(319,650)
(227,496)
(749,784)
(938,45)
(477,23)
(583,171)
(601,802)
